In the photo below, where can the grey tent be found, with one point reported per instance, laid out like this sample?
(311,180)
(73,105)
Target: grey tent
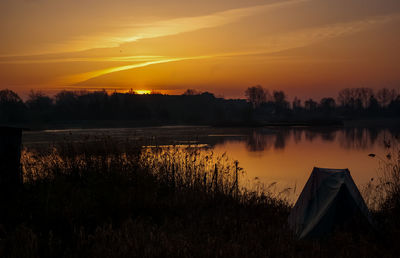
(329,199)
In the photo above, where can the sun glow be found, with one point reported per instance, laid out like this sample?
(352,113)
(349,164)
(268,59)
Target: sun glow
(141,92)
(221,47)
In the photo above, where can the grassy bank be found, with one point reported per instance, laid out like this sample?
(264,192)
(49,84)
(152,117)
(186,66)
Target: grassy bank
(115,199)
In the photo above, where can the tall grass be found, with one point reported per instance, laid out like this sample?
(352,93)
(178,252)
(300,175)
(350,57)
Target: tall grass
(108,198)
(384,194)
(390,182)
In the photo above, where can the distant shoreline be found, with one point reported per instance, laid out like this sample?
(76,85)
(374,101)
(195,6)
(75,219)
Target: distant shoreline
(92,124)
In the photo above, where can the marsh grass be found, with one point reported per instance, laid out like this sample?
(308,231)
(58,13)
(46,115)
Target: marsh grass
(108,198)
(383,195)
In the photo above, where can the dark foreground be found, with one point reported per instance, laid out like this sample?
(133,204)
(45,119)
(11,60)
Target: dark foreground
(109,199)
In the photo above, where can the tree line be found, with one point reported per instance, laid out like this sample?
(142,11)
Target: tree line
(350,103)
(193,107)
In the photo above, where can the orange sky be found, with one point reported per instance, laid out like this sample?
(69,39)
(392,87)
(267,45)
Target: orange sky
(305,47)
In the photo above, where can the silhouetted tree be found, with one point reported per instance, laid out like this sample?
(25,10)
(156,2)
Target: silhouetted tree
(40,106)
(37,100)
(256,95)
(344,97)
(364,95)
(193,107)
(310,105)
(385,96)
(394,106)
(296,104)
(12,108)
(280,101)
(373,105)
(327,105)
(93,105)
(66,104)
(191,92)
(355,100)
(280,98)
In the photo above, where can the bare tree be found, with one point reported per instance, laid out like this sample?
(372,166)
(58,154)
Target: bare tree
(364,95)
(280,98)
(385,96)
(355,98)
(256,95)
(344,97)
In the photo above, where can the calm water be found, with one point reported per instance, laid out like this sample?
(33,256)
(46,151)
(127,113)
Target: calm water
(282,157)
(286,158)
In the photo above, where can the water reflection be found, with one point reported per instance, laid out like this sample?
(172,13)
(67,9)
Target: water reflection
(256,139)
(285,157)
(282,157)
(348,138)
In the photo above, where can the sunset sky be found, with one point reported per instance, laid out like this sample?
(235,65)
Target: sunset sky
(304,47)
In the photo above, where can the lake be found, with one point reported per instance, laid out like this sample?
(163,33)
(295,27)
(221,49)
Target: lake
(277,157)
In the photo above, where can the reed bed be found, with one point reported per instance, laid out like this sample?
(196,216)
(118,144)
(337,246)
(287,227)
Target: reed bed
(108,198)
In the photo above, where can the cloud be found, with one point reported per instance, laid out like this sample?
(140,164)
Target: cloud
(270,45)
(309,36)
(77,78)
(121,34)
(265,45)
(59,59)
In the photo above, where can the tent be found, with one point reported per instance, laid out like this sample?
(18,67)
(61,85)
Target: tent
(330,200)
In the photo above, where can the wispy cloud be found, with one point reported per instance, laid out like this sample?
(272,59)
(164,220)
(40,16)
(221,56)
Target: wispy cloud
(76,78)
(136,31)
(57,59)
(309,36)
(269,45)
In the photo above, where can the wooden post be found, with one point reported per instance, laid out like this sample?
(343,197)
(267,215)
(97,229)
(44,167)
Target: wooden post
(10,156)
